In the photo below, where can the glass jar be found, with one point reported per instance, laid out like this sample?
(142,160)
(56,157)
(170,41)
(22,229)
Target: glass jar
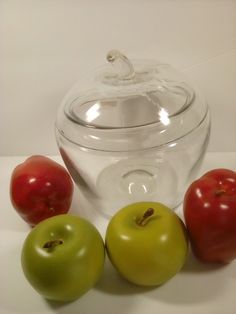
(133,131)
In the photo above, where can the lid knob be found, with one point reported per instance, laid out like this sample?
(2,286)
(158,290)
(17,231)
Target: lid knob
(123,67)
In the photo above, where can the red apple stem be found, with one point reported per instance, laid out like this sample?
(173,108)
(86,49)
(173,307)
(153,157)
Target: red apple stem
(53,243)
(220,192)
(144,219)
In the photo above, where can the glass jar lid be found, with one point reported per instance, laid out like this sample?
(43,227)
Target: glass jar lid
(129,94)
(124,96)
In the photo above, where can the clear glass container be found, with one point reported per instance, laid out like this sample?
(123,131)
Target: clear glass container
(133,131)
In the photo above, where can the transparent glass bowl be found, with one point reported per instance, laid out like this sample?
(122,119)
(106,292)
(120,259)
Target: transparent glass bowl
(133,137)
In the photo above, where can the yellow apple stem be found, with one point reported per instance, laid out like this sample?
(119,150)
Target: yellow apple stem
(53,243)
(144,219)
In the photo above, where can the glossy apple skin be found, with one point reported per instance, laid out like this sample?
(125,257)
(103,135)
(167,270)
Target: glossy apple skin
(146,255)
(40,188)
(210,215)
(68,270)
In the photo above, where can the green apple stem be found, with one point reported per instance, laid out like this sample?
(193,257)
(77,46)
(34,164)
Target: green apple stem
(53,243)
(144,219)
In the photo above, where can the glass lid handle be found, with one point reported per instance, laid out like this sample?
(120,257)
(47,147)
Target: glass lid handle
(122,66)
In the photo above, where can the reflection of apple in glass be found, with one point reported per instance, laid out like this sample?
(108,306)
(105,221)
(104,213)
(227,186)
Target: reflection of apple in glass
(147,243)
(63,257)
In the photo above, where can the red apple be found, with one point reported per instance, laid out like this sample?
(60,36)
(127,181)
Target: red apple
(210,216)
(40,188)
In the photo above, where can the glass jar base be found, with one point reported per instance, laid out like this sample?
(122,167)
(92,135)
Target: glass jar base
(137,179)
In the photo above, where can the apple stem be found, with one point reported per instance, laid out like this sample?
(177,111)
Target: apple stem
(53,243)
(220,192)
(147,214)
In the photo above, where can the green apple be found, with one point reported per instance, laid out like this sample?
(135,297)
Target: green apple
(63,257)
(147,243)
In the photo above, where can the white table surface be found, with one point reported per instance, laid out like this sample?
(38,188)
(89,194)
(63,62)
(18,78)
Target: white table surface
(196,289)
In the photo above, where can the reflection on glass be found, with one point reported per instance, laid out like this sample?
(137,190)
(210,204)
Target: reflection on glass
(164,116)
(93,112)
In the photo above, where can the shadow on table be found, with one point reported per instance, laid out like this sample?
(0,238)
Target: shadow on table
(112,283)
(195,283)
